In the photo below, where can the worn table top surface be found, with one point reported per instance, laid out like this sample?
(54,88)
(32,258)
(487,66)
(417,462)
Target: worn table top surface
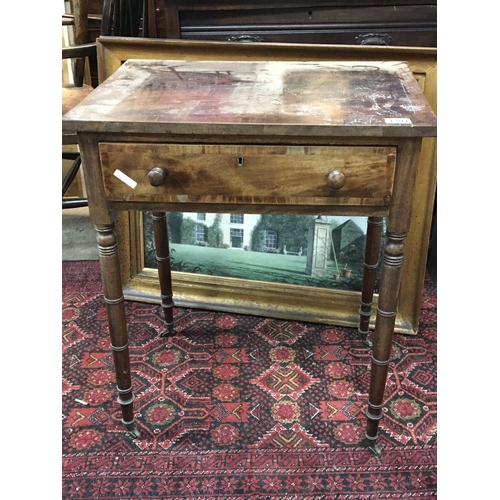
(265,98)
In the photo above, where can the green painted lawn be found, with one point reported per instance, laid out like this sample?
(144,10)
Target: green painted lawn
(256,266)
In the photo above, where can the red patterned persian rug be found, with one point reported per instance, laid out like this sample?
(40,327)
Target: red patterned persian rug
(240,406)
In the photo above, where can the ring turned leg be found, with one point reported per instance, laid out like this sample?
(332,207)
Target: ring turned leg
(164,270)
(115,309)
(384,330)
(372,249)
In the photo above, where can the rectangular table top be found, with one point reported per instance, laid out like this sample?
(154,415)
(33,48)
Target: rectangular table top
(265,98)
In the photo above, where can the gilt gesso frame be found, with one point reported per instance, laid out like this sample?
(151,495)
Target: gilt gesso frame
(276,299)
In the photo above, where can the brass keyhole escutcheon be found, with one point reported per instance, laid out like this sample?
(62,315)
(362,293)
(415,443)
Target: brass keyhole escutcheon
(239,161)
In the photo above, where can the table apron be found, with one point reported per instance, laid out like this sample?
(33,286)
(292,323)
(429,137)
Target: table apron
(273,178)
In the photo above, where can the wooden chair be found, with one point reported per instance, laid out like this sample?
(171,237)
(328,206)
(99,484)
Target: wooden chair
(117,18)
(81,53)
(129,18)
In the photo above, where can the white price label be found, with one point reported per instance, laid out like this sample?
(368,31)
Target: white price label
(398,121)
(125,178)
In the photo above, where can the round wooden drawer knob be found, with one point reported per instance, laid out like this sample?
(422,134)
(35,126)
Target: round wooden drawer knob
(157,176)
(336,179)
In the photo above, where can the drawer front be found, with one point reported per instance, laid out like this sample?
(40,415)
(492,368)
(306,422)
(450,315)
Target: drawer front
(424,37)
(408,25)
(308,16)
(233,174)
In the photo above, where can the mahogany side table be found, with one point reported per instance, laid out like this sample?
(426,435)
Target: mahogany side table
(318,138)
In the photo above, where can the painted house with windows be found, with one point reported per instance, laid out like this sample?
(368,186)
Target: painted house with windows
(236,228)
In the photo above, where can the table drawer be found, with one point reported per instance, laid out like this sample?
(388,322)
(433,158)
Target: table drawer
(409,25)
(267,175)
(423,37)
(282,17)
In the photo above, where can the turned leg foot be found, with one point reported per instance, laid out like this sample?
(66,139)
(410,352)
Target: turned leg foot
(371,444)
(363,336)
(132,429)
(169,331)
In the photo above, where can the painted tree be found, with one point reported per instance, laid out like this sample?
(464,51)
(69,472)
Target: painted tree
(174,220)
(215,237)
(188,231)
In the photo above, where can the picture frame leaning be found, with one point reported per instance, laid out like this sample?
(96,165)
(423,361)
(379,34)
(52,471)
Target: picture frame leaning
(279,300)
